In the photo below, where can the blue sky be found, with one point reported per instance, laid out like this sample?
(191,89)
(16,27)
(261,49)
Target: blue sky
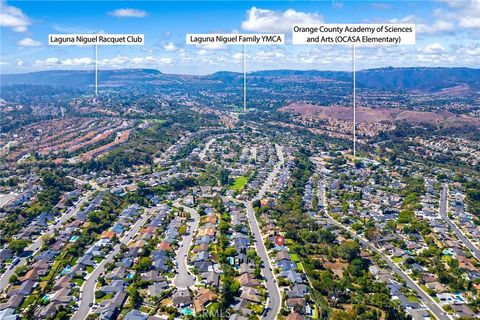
(448,34)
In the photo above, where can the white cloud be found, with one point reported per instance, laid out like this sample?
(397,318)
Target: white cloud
(471,22)
(170,46)
(466,13)
(213,46)
(222,58)
(202,52)
(440,25)
(142,60)
(138,60)
(128,13)
(13,18)
(115,62)
(269,55)
(19,62)
(166,60)
(433,48)
(69,62)
(238,56)
(473,52)
(29,42)
(47,62)
(441,59)
(77,62)
(264,20)
(455,3)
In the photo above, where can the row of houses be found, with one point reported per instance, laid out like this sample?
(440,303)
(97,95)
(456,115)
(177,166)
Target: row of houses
(119,275)
(251,285)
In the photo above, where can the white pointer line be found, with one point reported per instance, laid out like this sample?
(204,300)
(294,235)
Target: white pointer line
(96,70)
(244,78)
(354,106)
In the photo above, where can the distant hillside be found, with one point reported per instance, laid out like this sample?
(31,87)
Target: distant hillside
(378,115)
(81,78)
(421,79)
(428,79)
(424,79)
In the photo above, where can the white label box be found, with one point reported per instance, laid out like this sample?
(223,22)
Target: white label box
(96,39)
(235,39)
(357,34)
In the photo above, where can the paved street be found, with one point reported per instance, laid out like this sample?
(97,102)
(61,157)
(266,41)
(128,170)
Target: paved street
(37,243)
(7,198)
(170,151)
(204,151)
(321,194)
(87,291)
(431,304)
(184,279)
(266,186)
(274,296)
(458,232)
(83,182)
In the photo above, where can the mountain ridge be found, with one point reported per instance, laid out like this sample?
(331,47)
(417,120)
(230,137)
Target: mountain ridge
(385,78)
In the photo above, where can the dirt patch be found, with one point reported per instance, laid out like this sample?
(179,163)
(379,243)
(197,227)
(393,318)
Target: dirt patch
(337,267)
(379,115)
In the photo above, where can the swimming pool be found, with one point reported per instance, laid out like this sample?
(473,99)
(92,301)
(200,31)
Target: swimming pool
(66,270)
(186,311)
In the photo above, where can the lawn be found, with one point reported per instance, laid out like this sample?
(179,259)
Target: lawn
(300,266)
(213,308)
(258,309)
(397,260)
(31,299)
(315,312)
(105,297)
(78,281)
(239,183)
(413,299)
(294,257)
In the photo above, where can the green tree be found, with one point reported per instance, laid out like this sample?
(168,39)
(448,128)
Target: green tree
(17,245)
(224,177)
(144,264)
(348,250)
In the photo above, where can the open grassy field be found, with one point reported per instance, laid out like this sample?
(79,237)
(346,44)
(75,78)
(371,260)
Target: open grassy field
(239,183)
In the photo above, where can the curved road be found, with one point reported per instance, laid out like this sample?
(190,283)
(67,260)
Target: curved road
(87,291)
(184,279)
(458,232)
(275,299)
(274,295)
